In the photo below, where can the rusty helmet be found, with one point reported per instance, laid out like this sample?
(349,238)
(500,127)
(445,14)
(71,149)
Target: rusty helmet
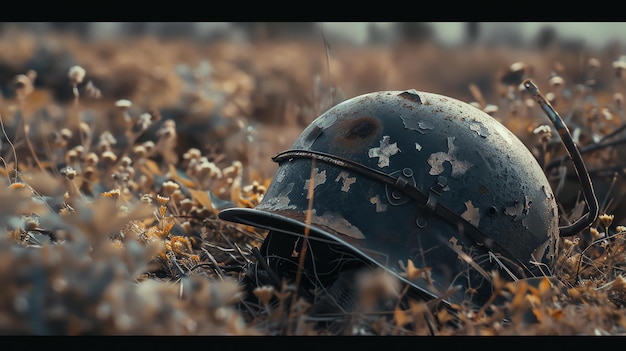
(429,188)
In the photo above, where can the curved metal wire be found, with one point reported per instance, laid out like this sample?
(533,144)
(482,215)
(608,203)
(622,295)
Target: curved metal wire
(579,165)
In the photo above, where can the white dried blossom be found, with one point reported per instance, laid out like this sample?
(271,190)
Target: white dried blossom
(76,74)
(123,103)
(544,128)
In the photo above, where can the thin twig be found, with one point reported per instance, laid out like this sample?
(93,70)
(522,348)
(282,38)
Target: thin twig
(12,148)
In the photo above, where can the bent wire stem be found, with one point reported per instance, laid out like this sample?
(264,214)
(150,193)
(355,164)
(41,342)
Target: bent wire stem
(575,156)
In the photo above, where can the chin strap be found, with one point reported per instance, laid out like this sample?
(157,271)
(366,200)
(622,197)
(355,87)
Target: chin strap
(427,201)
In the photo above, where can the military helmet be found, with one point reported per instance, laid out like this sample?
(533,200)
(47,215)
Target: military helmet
(429,188)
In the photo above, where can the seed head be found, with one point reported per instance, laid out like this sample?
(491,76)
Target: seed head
(264,293)
(109,156)
(169,187)
(23,85)
(557,81)
(123,103)
(606,219)
(594,63)
(93,91)
(76,74)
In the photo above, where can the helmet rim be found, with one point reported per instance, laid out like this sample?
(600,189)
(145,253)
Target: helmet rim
(270,220)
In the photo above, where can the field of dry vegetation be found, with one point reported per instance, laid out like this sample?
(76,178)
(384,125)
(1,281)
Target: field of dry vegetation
(118,154)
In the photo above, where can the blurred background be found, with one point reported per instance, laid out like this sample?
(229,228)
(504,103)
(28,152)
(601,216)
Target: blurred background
(595,34)
(245,90)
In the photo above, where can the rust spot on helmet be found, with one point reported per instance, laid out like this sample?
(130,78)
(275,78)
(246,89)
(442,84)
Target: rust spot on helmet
(355,133)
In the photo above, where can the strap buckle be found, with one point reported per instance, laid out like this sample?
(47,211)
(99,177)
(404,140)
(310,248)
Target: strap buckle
(435,191)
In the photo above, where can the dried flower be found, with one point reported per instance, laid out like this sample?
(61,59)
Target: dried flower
(71,156)
(619,100)
(557,81)
(140,151)
(89,172)
(186,205)
(551,97)
(544,132)
(515,74)
(595,234)
(76,74)
(91,159)
(169,187)
(490,109)
(115,193)
(187,227)
(594,63)
(17,185)
(264,293)
(109,156)
(162,200)
(146,198)
(108,137)
(606,113)
(92,91)
(619,65)
(80,150)
(149,146)
(126,162)
(606,219)
(542,129)
(66,134)
(23,86)
(192,153)
(123,103)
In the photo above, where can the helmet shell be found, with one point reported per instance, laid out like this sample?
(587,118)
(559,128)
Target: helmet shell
(470,170)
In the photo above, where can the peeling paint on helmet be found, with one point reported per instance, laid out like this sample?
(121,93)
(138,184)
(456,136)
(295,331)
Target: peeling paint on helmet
(410,122)
(337,223)
(527,203)
(520,209)
(538,254)
(514,211)
(418,147)
(279,202)
(320,178)
(547,249)
(316,128)
(307,140)
(525,222)
(472,214)
(347,181)
(479,128)
(384,151)
(424,125)
(380,207)
(411,95)
(280,175)
(326,122)
(437,159)
(547,192)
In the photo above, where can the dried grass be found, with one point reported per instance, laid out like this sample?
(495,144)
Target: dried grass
(110,197)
